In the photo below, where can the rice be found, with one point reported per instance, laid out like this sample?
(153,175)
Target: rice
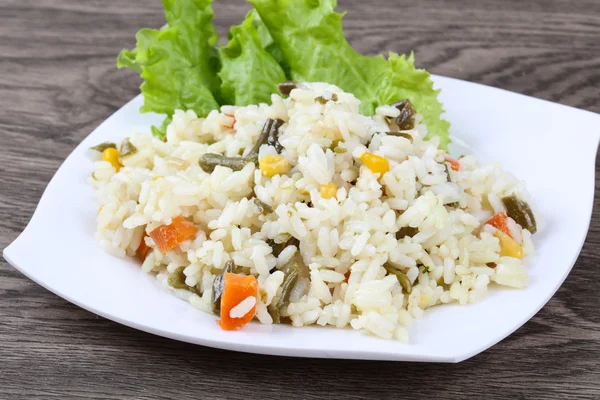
(343,241)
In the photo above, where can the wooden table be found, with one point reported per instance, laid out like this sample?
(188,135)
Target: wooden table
(58,81)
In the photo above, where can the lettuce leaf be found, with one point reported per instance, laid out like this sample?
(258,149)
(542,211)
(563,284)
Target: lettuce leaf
(281,39)
(266,40)
(179,62)
(249,73)
(161,131)
(310,36)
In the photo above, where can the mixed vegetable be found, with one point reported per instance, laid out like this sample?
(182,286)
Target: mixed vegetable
(275,46)
(233,292)
(500,222)
(177,280)
(269,135)
(402,278)
(143,249)
(406,120)
(238,300)
(218,285)
(520,212)
(167,237)
(292,274)
(109,152)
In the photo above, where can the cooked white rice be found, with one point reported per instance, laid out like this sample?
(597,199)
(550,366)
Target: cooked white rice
(449,260)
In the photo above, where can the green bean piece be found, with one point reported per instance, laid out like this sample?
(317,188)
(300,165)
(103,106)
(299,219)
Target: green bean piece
(209,161)
(273,138)
(274,313)
(103,146)
(453,205)
(263,207)
(520,211)
(402,278)
(286,87)
(289,281)
(448,178)
(406,120)
(406,231)
(177,281)
(293,242)
(335,146)
(263,137)
(400,134)
(323,100)
(127,148)
(277,247)
(217,288)
(288,284)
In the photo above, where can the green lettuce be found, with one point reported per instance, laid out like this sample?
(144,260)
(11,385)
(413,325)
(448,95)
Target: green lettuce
(310,36)
(281,39)
(179,63)
(249,73)
(266,40)
(161,131)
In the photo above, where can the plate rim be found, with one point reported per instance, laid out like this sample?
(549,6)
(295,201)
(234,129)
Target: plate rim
(11,258)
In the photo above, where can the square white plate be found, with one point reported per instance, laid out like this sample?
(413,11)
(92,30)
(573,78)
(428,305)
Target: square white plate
(550,146)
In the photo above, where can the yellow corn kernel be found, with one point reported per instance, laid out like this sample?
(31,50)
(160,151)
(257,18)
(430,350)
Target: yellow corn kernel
(508,246)
(377,164)
(112,156)
(272,165)
(423,300)
(328,191)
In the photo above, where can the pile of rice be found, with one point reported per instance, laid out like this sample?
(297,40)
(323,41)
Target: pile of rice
(344,240)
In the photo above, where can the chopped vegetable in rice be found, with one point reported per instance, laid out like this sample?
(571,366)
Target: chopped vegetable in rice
(368,238)
(332,203)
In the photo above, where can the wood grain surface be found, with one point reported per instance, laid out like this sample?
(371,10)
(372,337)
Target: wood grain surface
(58,81)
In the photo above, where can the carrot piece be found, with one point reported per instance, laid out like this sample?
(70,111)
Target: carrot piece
(499,221)
(238,290)
(454,164)
(167,237)
(143,249)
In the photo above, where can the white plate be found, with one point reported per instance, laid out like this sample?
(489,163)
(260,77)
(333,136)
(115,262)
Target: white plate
(550,146)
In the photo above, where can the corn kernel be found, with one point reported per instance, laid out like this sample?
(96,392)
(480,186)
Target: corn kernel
(508,246)
(423,300)
(377,164)
(328,191)
(272,165)
(112,156)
